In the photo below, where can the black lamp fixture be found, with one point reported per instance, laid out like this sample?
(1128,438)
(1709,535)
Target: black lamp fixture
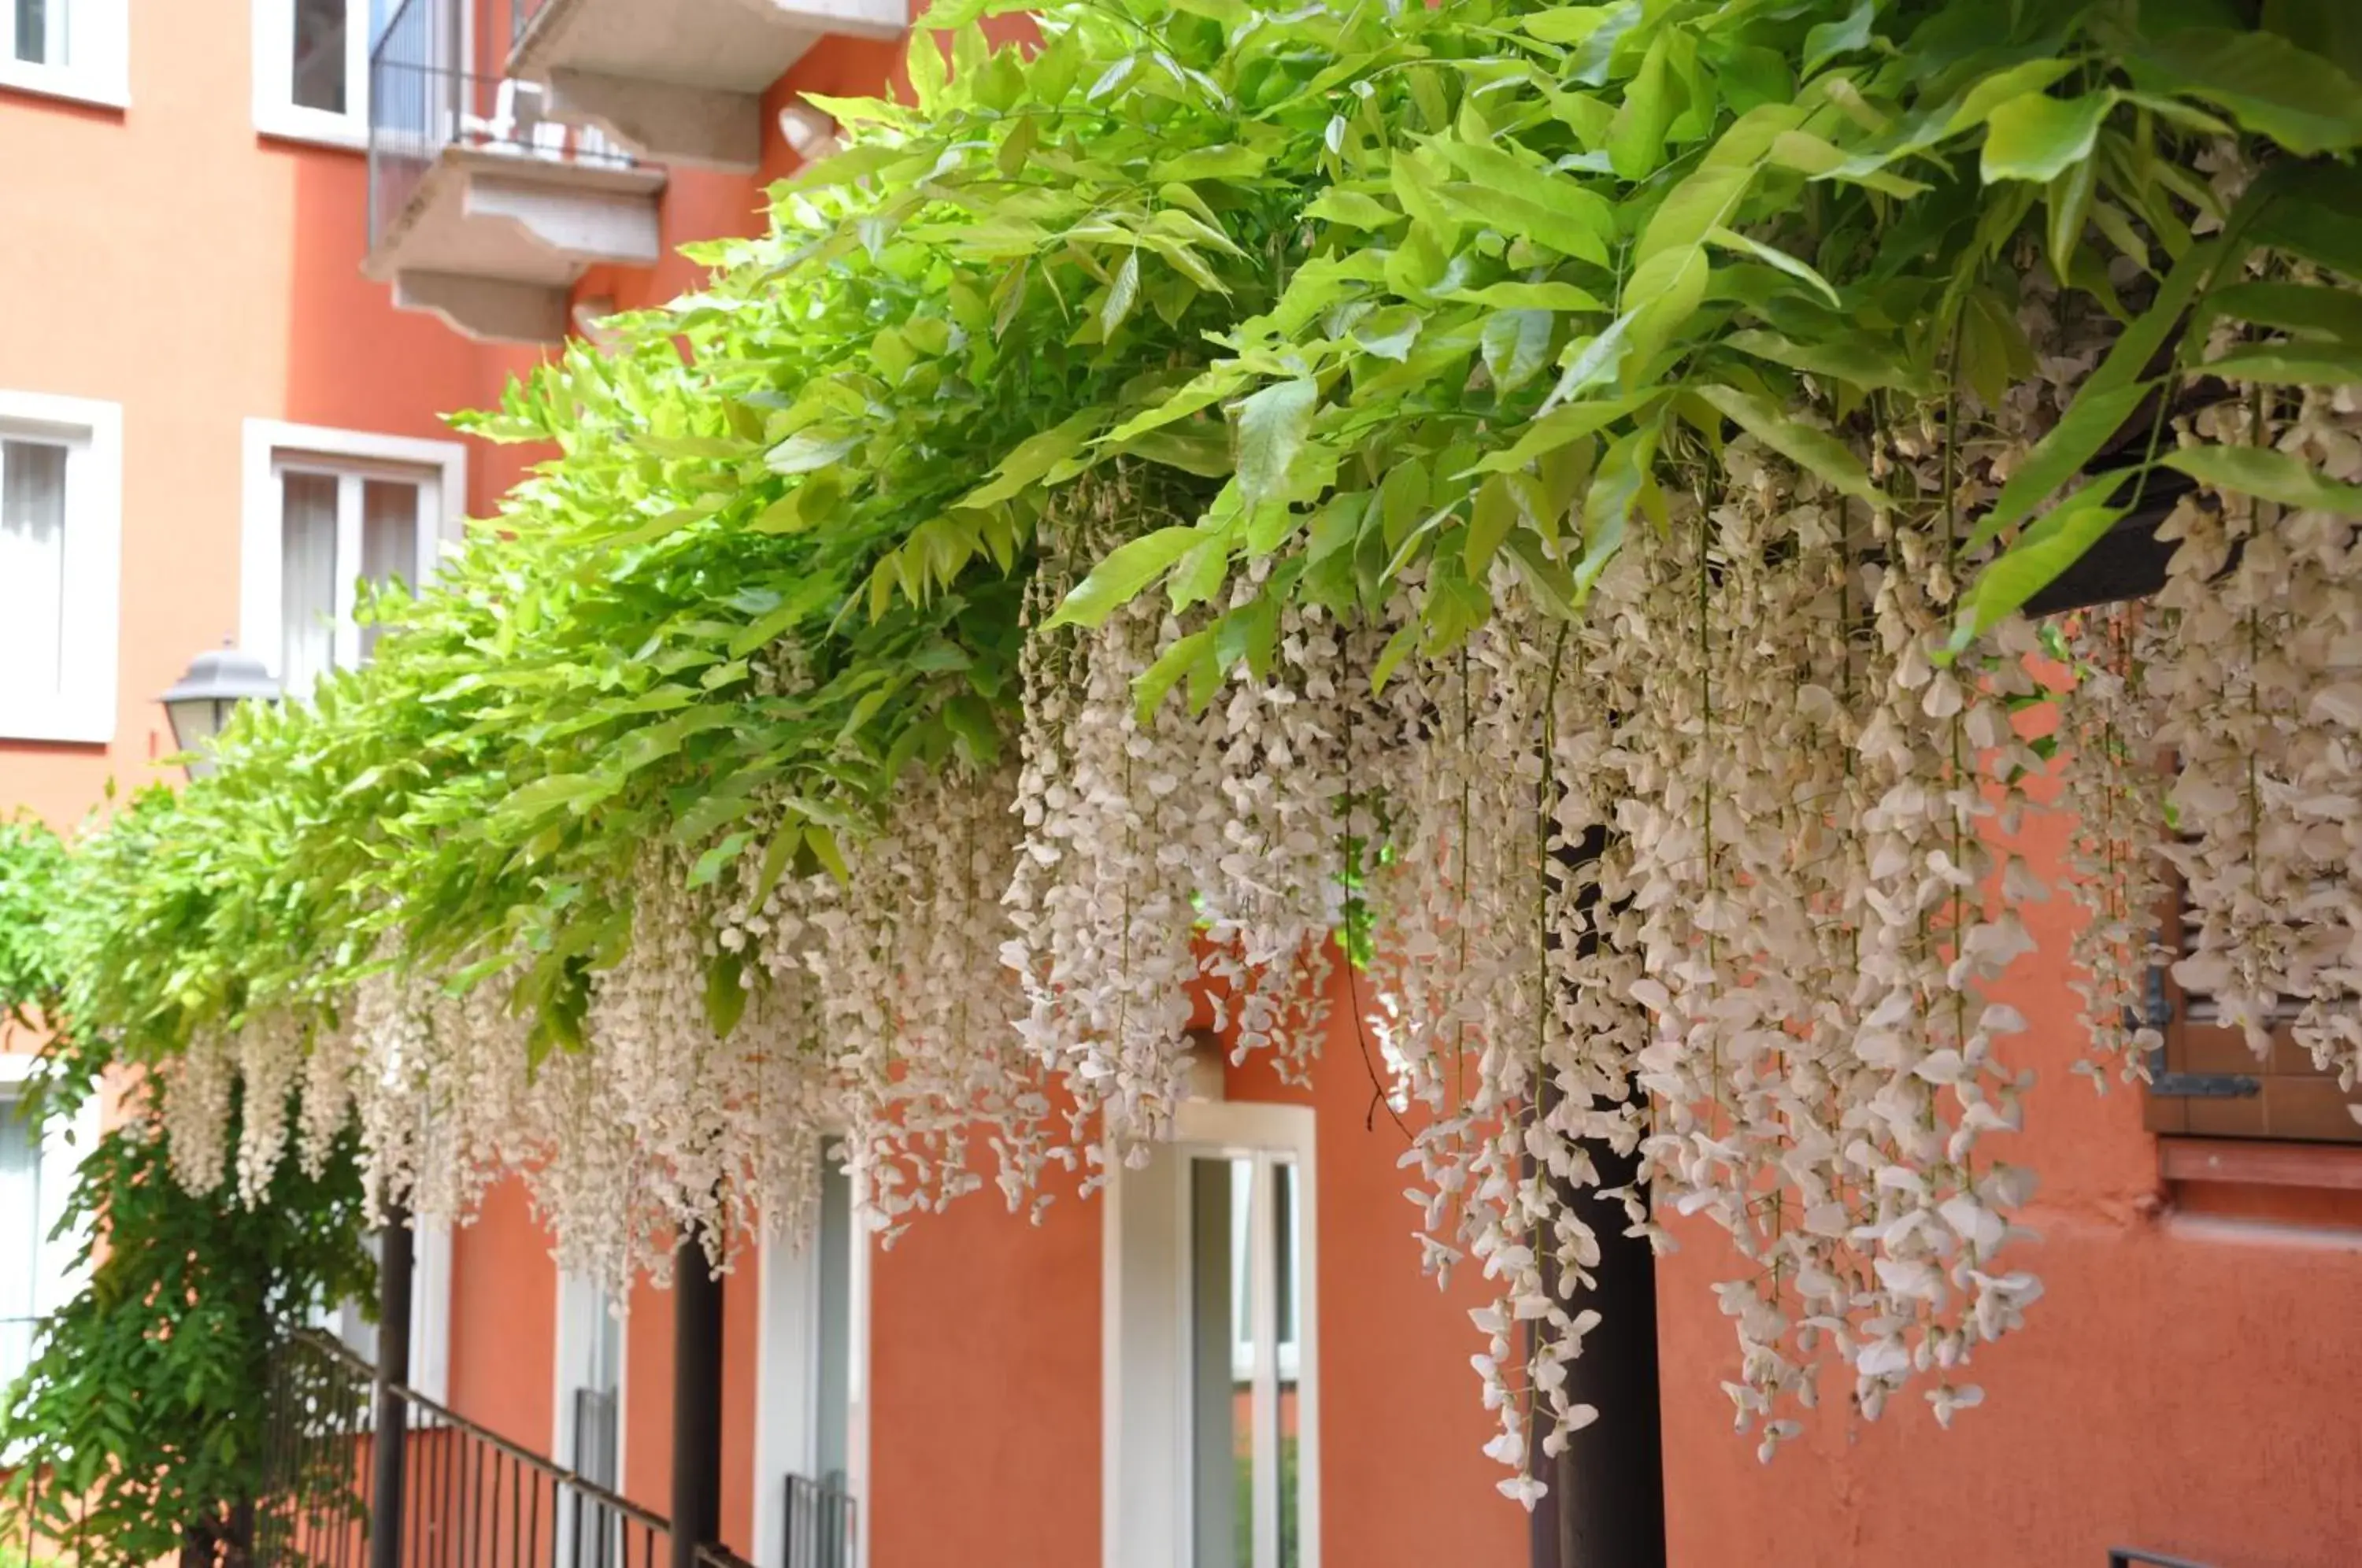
(217,681)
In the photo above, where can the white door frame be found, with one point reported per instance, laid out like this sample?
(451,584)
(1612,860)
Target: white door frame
(1145,1448)
(787,1409)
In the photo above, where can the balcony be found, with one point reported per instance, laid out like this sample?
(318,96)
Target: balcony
(683,81)
(484,207)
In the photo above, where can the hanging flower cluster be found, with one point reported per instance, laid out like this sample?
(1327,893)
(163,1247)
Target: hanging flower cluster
(1660,737)
(888,980)
(1490,995)
(2116,872)
(1193,846)
(2261,704)
(1706,878)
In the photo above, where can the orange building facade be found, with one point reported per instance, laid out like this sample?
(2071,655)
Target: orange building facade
(228,344)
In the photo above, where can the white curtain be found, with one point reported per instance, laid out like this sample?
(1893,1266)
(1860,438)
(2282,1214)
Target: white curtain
(32,566)
(389,540)
(307,580)
(20,1237)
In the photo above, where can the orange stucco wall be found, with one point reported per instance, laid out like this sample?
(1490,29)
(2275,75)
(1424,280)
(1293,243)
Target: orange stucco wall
(985,1379)
(504,1316)
(2186,1383)
(167,257)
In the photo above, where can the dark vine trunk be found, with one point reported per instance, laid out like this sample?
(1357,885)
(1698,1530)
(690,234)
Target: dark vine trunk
(225,1540)
(1606,1506)
(238,1541)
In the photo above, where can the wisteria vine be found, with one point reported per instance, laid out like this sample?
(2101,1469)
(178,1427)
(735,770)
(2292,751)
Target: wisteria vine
(1501,533)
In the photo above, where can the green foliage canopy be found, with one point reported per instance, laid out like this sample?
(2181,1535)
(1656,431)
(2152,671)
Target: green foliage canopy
(33,864)
(1334,291)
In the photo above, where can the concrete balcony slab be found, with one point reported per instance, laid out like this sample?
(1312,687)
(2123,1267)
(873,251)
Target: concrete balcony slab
(683,81)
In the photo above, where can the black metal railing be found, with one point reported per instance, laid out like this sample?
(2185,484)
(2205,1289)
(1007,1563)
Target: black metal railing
(712,1555)
(823,1524)
(422,101)
(470,1498)
(2133,1557)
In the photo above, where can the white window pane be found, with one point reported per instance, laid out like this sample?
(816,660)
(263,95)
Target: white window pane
(307,579)
(20,1237)
(1221,1436)
(318,66)
(32,566)
(389,540)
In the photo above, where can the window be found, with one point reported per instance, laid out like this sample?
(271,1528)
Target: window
(61,543)
(2206,1082)
(590,1418)
(37,1171)
(340,528)
(590,1378)
(331,515)
(20,1237)
(1210,1409)
(68,48)
(312,62)
(808,1422)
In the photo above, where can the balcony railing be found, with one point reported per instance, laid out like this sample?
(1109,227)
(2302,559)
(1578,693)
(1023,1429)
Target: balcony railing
(521,16)
(421,102)
(469,1496)
(822,1524)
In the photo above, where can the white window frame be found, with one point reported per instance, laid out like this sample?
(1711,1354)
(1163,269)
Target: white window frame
(83,710)
(787,1405)
(98,70)
(430,1307)
(1146,1445)
(572,1345)
(276,113)
(273,445)
(1287,1336)
(59,1277)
